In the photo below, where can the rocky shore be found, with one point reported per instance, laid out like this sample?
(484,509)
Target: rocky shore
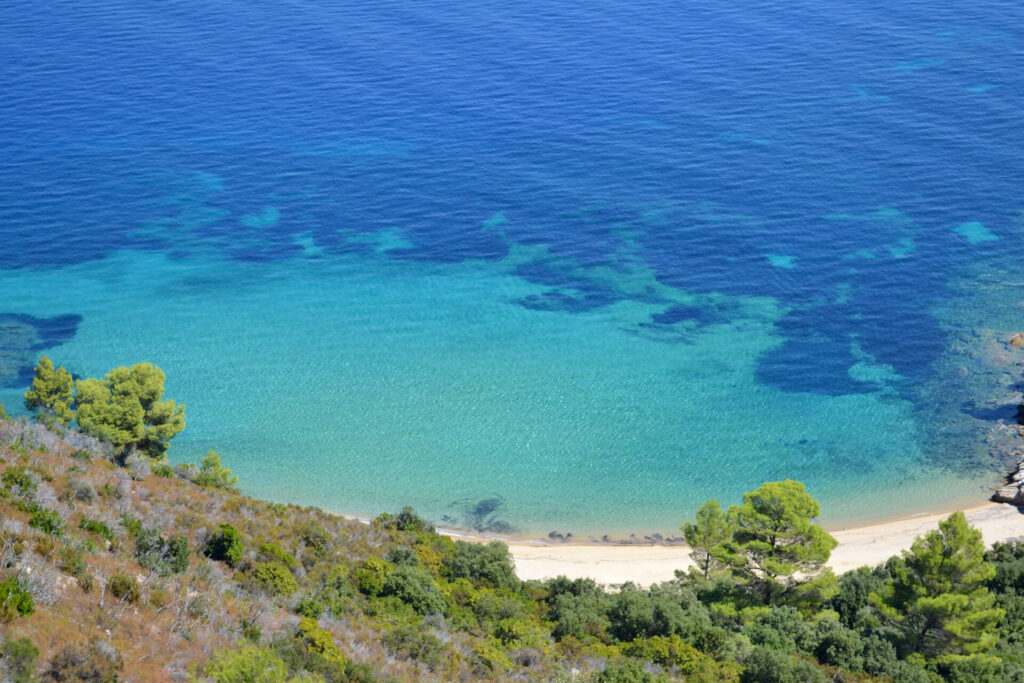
(1012,491)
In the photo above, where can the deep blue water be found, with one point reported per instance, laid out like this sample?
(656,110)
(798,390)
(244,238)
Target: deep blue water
(842,161)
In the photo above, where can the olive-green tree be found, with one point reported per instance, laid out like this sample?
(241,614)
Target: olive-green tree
(938,597)
(49,397)
(706,536)
(775,548)
(127,408)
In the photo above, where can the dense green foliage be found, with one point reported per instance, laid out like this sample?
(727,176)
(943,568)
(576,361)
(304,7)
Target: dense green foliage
(225,545)
(127,409)
(707,535)
(213,474)
(15,600)
(774,547)
(162,555)
(50,394)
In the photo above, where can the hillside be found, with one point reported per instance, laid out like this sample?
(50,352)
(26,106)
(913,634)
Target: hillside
(144,573)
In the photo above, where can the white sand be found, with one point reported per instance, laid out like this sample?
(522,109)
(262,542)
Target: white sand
(646,564)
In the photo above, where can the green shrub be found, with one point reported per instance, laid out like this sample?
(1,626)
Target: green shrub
(517,633)
(841,647)
(487,564)
(96,527)
(72,562)
(162,555)
(213,474)
(768,666)
(274,578)
(15,601)
(315,537)
(48,521)
(410,643)
(625,671)
(336,592)
(248,664)
(132,525)
(81,490)
(225,545)
(163,471)
(123,588)
(415,587)
(19,657)
(579,608)
(405,520)
(371,575)
(974,669)
(272,552)
(81,454)
(318,640)
(18,479)
(76,663)
(309,607)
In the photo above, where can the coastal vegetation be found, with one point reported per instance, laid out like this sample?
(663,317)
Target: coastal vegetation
(115,566)
(125,409)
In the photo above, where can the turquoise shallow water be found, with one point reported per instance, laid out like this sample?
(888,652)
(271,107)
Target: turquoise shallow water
(379,384)
(531,267)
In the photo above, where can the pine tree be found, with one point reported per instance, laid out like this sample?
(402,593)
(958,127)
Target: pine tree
(938,595)
(774,546)
(705,536)
(50,394)
(127,408)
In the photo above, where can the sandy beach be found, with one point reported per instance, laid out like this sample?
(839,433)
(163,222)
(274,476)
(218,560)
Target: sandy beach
(647,564)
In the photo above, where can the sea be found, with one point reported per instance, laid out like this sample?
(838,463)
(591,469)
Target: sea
(534,267)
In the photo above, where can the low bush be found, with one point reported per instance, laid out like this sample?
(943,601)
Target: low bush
(19,658)
(96,527)
(163,471)
(19,481)
(274,578)
(15,600)
(247,664)
(213,474)
(415,587)
(81,490)
(225,545)
(162,555)
(123,588)
(410,643)
(489,565)
(48,521)
(95,664)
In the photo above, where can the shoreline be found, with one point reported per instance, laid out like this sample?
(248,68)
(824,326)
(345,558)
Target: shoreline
(869,545)
(646,542)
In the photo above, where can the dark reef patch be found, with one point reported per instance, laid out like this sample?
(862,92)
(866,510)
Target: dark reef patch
(479,515)
(23,336)
(812,364)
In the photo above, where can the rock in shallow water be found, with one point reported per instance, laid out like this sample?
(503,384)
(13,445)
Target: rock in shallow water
(1013,491)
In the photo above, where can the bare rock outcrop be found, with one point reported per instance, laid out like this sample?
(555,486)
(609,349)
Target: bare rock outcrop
(1013,490)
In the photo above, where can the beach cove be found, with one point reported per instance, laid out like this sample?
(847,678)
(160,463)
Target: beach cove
(644,565)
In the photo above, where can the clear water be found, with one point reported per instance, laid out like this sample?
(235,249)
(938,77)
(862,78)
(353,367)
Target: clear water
(538,266)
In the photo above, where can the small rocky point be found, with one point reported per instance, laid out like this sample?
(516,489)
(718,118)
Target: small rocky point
(1013,490)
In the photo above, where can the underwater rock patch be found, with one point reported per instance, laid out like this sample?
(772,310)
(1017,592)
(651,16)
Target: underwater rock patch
(23,336)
